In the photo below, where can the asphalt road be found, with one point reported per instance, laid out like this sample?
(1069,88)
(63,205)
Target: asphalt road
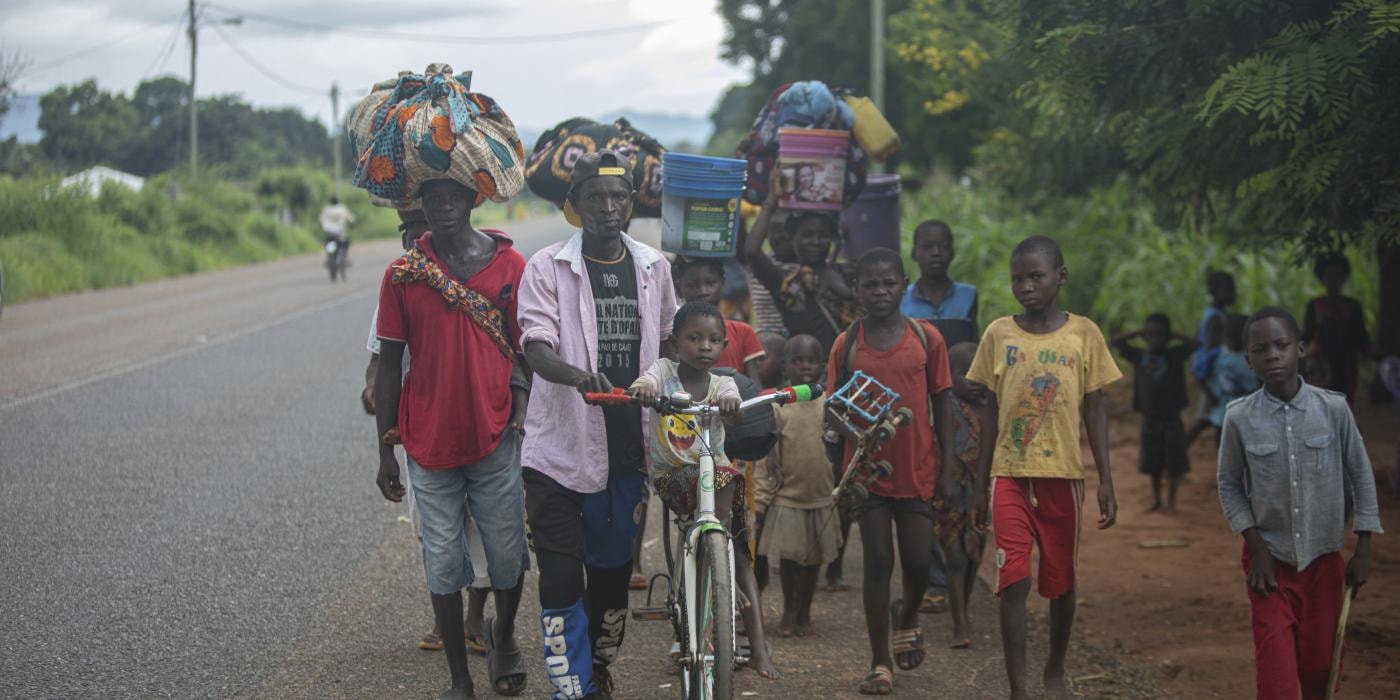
(187,509)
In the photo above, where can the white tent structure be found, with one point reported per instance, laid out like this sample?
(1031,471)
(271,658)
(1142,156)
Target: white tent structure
(93,178)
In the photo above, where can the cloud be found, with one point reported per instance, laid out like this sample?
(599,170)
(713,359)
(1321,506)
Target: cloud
(671,68)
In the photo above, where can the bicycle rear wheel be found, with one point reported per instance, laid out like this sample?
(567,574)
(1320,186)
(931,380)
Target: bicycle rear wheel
(711,673)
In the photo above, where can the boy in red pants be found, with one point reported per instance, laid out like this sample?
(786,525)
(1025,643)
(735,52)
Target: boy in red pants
(1290,456)
(1046,370)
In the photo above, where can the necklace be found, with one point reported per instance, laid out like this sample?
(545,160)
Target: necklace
(622,256)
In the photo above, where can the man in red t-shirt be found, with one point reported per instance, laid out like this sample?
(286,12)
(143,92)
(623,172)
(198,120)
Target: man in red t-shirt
(889,349)
(451,301)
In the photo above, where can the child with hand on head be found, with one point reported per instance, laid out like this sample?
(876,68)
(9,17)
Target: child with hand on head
(961,543)
(912,361)
(1159,394)
(1292,463)
(698,336)
(1046,370)
(800,527)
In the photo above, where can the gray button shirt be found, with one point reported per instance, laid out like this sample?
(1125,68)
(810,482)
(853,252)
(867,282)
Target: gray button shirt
(1291,469)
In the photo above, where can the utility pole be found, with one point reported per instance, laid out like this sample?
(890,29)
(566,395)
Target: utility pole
(194,120)
(877,61)
(335,134)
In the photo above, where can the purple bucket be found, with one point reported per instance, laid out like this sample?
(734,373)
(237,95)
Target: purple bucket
(872,221)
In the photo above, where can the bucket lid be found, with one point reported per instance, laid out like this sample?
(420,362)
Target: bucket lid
(674,159)
(881,185)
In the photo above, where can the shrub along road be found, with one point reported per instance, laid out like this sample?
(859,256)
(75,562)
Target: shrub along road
(189,509)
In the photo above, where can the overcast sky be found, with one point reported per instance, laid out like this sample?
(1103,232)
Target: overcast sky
(670,64)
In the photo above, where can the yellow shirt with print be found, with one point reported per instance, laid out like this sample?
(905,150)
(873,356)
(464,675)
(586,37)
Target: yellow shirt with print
(1040,380)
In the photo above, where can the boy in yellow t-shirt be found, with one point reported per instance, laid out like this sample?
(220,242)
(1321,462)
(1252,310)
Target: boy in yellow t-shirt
(1045,368)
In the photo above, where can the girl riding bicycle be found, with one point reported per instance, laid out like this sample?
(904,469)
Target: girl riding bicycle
(699,338)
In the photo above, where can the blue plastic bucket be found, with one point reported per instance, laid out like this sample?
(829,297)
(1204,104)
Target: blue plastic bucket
(700,204)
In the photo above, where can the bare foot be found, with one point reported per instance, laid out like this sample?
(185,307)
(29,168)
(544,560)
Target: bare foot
(1171,509)
(803,629)
(763,665)
(1055,686)
(458,693)
(1155,507)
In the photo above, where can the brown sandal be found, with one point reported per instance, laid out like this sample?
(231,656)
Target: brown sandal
(907,644)
(879,681)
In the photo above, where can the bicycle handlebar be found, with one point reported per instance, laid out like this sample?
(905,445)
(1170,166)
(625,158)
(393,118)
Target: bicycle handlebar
(664,404)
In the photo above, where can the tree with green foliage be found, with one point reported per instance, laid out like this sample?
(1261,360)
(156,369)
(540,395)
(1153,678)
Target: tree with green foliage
(146,134)
(84,126)
(1262,119)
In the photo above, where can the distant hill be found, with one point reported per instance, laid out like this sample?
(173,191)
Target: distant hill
(22,120)
(670,129)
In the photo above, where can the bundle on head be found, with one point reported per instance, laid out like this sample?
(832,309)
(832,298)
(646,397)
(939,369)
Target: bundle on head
(547,170)
(432,127)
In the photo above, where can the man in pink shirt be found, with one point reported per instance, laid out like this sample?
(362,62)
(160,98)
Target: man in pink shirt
(593,312)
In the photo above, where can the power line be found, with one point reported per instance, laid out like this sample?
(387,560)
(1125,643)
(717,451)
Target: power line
(103,45)
(269,74)
(158,63)
(419,37)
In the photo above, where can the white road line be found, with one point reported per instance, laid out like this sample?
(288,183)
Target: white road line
(174,354)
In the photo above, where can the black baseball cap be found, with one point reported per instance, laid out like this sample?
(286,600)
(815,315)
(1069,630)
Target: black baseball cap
(603,163)
(599,164)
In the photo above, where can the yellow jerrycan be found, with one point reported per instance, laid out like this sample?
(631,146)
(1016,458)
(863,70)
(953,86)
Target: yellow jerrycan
(872,131)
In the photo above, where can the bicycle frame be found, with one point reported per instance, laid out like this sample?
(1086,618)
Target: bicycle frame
(683,572)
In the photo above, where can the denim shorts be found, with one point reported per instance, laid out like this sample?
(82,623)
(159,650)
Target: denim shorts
(493,490)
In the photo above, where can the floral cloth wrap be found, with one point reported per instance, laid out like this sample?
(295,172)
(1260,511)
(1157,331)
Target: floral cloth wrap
(432,127)
(549,168)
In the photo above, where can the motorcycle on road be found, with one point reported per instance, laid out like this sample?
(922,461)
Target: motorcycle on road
(336,253)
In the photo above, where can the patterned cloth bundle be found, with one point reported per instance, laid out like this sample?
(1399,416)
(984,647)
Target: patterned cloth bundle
(430,126)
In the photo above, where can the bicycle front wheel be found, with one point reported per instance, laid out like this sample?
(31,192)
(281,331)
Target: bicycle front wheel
(712,671)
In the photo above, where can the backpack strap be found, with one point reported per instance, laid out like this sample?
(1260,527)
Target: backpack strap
(848,354)
(918,328)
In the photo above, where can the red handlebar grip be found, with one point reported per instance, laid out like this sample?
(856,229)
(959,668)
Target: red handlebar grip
(618,396)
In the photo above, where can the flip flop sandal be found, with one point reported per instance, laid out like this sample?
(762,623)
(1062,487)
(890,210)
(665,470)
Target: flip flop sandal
(476,644)
(961,644)
(908,644)
(504,667)
(431,641)
(933,603)
(879,681)
(638,582)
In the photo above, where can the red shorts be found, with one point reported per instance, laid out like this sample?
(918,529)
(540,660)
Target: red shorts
(1051,523)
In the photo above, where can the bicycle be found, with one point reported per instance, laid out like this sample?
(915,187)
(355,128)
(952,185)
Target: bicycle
(701,608)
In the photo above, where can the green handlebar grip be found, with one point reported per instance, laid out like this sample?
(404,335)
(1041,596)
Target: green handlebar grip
(805,392)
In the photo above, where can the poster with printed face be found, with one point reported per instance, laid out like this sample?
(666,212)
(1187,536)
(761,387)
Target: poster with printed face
(812,183)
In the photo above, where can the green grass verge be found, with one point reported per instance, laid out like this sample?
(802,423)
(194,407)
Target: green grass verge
(59,240)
